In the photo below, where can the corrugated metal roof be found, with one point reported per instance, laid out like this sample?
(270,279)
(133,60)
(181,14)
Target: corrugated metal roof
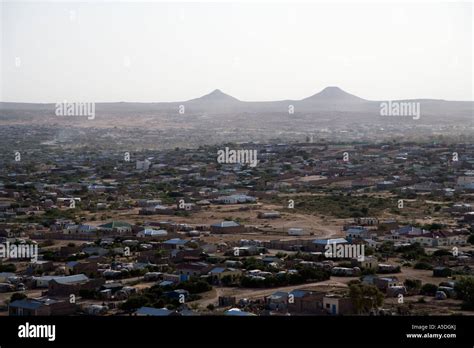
(226,224)
(153,311)
(77,278)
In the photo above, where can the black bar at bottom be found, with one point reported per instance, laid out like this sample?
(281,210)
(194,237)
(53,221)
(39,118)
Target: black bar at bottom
(218,330)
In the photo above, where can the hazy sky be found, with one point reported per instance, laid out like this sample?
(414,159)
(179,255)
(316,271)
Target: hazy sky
(119,51)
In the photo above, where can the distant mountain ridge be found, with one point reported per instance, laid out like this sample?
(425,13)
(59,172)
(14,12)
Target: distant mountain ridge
(328,94)
(331,100)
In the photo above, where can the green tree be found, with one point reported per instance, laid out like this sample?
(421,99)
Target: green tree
(428,289)
(413,285)
(134,302)
(465,291)
(17,296)
(365,297)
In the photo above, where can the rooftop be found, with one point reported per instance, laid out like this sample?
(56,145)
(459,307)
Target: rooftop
(226,224)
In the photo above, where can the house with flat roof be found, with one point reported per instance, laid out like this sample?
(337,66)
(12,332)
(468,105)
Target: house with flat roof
(335,304)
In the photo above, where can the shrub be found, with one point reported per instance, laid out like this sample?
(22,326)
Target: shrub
(195,287)
(8,268)
(17,296)
(428,289)
(134,302)
(413,284)
(442,252)
(412,252)
(465,292)
(470,239)
(365,297)
(86,293)
(422,265)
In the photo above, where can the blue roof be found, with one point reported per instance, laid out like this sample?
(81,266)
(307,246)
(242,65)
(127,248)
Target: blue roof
(153,311)
(407,229)
(217,270)
(175,241)
(26,303)
(87,228)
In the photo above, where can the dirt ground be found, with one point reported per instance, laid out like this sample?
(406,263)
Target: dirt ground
(247,215)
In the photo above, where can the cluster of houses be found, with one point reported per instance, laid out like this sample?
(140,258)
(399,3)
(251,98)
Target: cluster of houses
(105,233)
(125,256)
